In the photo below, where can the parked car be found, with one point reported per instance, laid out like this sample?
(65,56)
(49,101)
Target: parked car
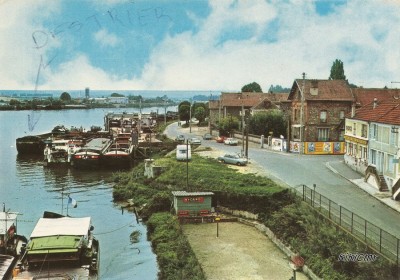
(195,141)
(231,141)
(220,139)
(207,136)
(233,159)
(180,138)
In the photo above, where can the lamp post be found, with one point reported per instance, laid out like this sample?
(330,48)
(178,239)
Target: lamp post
(187,164)
(165,111)
(302,115)
(242,129)
(190,117)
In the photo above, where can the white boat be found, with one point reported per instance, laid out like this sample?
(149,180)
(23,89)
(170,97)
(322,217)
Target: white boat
(60,248)
(11,244)
(61,151)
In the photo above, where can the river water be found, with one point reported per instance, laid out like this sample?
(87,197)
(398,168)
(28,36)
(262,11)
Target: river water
(30,189)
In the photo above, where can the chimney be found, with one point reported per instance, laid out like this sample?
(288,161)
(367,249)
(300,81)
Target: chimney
(375,103)
(353,110)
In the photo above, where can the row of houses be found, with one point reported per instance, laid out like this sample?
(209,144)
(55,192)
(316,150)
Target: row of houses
(330,117)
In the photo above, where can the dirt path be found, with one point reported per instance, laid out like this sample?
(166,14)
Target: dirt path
(240,252)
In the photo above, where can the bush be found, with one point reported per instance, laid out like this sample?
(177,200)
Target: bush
(175,257)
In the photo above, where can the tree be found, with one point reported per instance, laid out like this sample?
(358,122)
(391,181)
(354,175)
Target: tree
(265,122)
(200,114)
(278,89)
(227,125)
(117,95)
(184,111)
(65,96)
(253,87)
(337,71)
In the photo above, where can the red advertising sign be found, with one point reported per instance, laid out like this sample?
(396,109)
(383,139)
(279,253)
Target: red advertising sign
(198,199)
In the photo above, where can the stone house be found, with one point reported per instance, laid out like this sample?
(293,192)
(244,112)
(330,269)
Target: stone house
(316,112)
(232,104)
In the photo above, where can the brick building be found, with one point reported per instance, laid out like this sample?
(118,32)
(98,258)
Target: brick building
(316,110)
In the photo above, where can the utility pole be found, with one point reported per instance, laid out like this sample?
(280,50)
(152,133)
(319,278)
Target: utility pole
(302,115)
(242,129)
(190,117)
(165,111)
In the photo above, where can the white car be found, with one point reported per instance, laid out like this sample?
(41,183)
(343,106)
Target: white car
(194,141)
(231,141)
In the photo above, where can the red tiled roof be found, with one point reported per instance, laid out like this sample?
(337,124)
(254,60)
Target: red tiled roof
(335,90)
(386,111)
(249,99)
(365,96)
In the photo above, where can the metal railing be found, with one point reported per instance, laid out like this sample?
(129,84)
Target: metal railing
(373,236)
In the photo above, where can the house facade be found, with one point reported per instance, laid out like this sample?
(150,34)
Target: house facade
(316,111)
(232,104)
(357,124)
(372,143)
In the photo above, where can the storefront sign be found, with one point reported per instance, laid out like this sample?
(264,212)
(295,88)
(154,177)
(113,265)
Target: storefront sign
(198,199)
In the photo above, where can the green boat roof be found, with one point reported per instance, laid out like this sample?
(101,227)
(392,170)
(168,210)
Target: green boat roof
(54,244)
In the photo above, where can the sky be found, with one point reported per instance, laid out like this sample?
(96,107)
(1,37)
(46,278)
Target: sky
(195,44)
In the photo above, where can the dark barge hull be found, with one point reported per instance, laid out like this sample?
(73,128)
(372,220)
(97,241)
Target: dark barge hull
(31,144)
(116,162)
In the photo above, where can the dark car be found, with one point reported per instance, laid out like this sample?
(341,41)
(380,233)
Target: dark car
(207,136)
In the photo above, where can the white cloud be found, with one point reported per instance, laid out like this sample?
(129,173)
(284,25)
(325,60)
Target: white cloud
(364,35)
(306,42)
(19,55)
(79,73)
(106,39)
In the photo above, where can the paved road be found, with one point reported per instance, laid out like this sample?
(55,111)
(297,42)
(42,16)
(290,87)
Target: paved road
(294,170)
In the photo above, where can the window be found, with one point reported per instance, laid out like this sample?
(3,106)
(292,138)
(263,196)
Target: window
(364,131)
(341,114)
(390,163)
(323,134)
(383,134)
(394,138)
(296,133)
(373,157)
(374,131)
(350,150)
(322,116)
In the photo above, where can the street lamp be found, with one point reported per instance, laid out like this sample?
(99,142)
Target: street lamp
(302,115)
(190,117)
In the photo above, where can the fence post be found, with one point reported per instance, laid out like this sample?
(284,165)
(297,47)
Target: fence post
(365,230)
(398,244)
(380,240)
(340,215)
(320,202)
(304,193)
(352,217)
(329,208)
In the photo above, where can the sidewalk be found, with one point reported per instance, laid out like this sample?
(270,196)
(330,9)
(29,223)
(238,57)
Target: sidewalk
(339,167)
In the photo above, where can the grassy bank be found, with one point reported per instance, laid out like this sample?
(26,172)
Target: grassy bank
(301,228)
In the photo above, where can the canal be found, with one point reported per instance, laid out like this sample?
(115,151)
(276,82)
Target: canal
(30,189)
